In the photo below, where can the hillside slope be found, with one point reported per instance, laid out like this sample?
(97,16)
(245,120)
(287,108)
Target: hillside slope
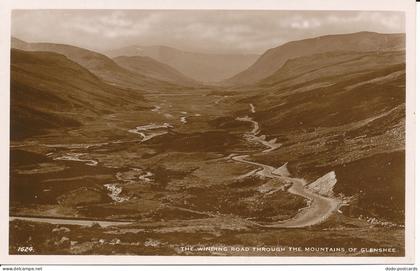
(341,112)
(101,65)
(154,69)
(274,58)
(50,91)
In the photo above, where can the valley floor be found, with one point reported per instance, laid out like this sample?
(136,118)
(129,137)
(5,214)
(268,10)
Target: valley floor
(176,179)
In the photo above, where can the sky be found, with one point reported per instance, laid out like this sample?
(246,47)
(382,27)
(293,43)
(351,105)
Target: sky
(198,31)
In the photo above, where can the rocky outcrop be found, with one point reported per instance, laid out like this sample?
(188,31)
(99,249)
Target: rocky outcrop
(324,185)
(282,171)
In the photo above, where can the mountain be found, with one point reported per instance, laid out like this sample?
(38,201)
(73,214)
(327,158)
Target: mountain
(48,91)
(341,112)
(154,69)
(101,65)
(199,66)
(336,63)
(276,57)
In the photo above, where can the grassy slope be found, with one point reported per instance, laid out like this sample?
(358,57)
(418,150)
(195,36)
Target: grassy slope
(341,112)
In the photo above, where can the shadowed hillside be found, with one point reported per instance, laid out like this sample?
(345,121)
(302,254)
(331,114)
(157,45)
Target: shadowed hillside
(154,69)
(199,66)
(50,91)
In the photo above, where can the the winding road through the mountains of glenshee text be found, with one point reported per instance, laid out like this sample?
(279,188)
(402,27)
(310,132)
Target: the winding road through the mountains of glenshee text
(319,208)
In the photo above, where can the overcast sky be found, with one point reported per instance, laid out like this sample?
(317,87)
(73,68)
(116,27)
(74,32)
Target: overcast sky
(201,31)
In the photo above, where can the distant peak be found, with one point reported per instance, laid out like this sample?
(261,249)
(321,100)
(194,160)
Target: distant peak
(17,40)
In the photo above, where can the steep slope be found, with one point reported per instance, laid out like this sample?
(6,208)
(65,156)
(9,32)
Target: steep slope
(320,68)
(274,58)
(343,113)
(154,69)
(50,91)
(102,66)
(199,66)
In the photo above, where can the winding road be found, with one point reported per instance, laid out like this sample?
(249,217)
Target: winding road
(319,208)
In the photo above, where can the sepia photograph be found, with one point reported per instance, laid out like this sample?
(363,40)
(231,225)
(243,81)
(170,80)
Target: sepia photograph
(209,132)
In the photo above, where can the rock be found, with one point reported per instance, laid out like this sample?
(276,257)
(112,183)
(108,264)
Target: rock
(64,242)
(60,229)
(282,171)
(95,225)
(64,229)
(151,243)
(115,241)
(324,185)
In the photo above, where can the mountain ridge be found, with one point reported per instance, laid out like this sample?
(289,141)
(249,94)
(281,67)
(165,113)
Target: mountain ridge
(48,90)
(203,67)
(152,68)
(102,66)
(274,58)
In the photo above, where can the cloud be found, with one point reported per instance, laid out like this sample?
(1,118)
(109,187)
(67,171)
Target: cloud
(305,24)
(112,25)
(218,31)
